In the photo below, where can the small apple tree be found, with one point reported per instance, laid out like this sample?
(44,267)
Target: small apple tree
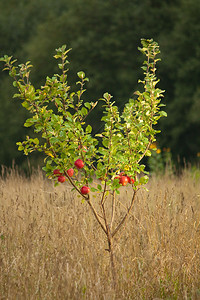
(111,158)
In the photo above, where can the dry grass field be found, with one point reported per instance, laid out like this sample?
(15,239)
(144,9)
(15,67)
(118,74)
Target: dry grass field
(52,248)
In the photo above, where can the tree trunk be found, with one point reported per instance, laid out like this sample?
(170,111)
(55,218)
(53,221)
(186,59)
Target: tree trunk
(112,262)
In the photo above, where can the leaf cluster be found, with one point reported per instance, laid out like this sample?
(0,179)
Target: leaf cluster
(59,117)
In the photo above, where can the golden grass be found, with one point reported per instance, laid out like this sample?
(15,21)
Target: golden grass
(52,248)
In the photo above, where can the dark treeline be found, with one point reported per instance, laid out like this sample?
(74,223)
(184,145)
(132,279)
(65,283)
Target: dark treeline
(104,36)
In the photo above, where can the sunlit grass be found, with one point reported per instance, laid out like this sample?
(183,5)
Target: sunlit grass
(52,248)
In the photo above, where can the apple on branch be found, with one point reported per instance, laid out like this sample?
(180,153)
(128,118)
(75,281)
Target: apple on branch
(123,180)
(85,190)
(130,180)
(61,179)
(57,172)
(79,163)
(70,172)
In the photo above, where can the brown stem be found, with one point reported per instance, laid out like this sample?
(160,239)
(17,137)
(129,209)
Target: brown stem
(104,193)
(125,216)
(143,154)
(72,183)
(112,260)
(110,246)
(87,198)
(113,210)
(93,167)
(105,218)
(96,215)
(90,110)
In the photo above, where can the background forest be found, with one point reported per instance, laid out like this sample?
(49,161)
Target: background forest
(104,36)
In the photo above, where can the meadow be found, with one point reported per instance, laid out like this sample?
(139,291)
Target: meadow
(52,248)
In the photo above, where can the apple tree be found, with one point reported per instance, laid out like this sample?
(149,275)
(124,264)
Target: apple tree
(98,164)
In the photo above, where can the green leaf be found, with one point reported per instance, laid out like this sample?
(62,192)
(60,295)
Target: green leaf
(100,166)
(20,147)
(163,114)
(106,95)
(36,141)
(87,104)
(81,74)
(54,140)
(99,187)
(105,143)
(57,56)
(148,153)
(144,179)
(25,104)
(28,124)
(84,111)
(88,129)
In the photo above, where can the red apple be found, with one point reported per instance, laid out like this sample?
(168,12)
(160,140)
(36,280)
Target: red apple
(70,172)
(85,190)
(130,180)
(56,172)
(123,180)
(61,179)
(79,163)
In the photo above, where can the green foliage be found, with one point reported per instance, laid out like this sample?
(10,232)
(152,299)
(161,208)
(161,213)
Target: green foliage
(58,116)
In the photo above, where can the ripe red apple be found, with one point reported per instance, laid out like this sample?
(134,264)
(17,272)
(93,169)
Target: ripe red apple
(61,178)
(130,180)
(85,190)
(79,163)
(56,172)
(70,172)
(123,180)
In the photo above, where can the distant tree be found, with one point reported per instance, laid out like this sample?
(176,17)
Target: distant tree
(104,35)
(18,23)
(181,67)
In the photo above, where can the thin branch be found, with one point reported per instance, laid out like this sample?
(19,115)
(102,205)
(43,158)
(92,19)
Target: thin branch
(73,184)
(96,215)
(130,214)
(141,157)
(113,210)
(108,233)
(93,167)
(105,219)
(94,105)
(100,216)
(125,216)
(104,192)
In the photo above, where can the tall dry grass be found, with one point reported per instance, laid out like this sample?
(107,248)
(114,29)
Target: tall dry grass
(52,248)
